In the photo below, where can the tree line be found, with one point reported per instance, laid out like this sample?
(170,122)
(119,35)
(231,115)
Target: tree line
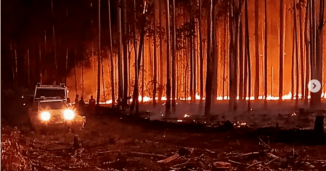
(208,52)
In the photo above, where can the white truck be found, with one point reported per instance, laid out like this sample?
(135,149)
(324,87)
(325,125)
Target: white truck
(51,109)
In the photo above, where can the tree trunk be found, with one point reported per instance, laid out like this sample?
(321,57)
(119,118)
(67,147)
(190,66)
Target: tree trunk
(135,100)
(191,56)
(292,64)
(125,56)
(75,68)
(257,49)
(265,55)
(99,55)
(66,68)
(54,45)
(301,52)
(281,51)
(209,60)
(318,24)
(82,78)
(201,57)
(174,48)
(160,90)
(111,54)
(120,57)
(224,56)
(234,22)
(313,50)
(155,58)
(241,62)
(296,54)
(142,73)
(214,60)
(248,56)
(40,63)
(308,45)
(103,80)
(168,86)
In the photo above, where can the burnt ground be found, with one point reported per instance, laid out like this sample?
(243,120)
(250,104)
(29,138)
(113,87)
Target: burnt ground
(112,142)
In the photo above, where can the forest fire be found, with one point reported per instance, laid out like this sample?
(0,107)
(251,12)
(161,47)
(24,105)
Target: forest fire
(219,98)
(179,85)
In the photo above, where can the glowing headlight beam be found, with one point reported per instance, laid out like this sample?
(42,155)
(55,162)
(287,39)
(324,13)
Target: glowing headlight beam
(45,116)
(69,114)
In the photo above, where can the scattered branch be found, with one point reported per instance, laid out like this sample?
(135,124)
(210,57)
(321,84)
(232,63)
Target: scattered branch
(147,154)
(235,162)
(267,146)
(253,164)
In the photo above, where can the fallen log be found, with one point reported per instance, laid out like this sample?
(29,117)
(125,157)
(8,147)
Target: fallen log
(169,159)
(235,162)
(264,144)
(248,154)
(147,154)
(253,164)
(270,155)
(181,164)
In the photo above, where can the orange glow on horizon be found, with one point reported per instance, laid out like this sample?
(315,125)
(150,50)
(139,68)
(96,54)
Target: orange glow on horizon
(219,98)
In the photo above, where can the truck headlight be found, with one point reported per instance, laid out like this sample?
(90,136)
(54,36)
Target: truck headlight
(45,116)
(69,114)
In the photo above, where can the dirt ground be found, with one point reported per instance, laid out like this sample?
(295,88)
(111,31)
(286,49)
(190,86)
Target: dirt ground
(112,143)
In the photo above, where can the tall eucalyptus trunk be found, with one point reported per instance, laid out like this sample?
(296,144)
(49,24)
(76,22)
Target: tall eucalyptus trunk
(66,68)
(209,60)
(75,68)
(160,90)
(135,101)
(125,57)
(82,78)
(174,48)
(234,20)
(99,55)
(142,74)
(103,78)
(201,65)
(214,60)
(312,49)
(155,58)
(241,61)
(281,51)
(120,57)
(317,48)
(40,62)
(299,5)
(168,86)
(307,45)
(111,55)
(248,55)
(224,56)
(256,94)
(296,54)
(292,63)
(54,45)
(265,55)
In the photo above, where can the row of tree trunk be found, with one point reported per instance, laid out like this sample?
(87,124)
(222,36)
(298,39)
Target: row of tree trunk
(307,52)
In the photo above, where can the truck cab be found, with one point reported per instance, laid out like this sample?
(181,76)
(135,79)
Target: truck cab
(49,92)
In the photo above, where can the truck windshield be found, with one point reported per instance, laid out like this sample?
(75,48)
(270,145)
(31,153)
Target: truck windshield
(52,105)
(50,93)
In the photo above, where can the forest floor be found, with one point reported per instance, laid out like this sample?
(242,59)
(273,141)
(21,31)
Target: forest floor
(284,114)
(110,143)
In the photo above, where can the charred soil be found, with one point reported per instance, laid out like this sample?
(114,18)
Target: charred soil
(111,141)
